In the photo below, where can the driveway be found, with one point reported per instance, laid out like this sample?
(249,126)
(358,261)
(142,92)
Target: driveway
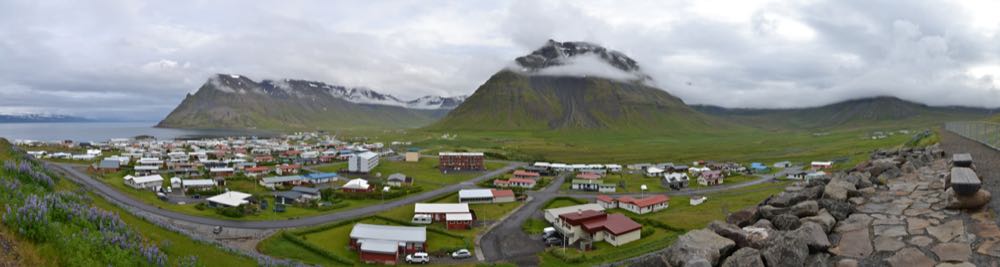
(72,172)
(508,242)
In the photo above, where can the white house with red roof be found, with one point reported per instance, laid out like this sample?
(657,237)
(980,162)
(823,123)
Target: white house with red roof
(644,205)
(589,226)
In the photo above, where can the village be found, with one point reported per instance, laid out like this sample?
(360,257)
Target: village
(308,174)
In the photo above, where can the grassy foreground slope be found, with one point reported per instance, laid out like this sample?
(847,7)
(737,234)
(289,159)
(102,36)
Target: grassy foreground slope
(57,224)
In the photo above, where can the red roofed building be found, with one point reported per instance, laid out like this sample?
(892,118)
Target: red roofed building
(590,226)
(645,205)
(588,176)
(502,196)
(263,159)
(522,174)
(257,171)
(288,169)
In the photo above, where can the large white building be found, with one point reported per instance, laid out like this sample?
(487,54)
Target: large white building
(362,162)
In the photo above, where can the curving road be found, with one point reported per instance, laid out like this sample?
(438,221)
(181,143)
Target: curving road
(108,192)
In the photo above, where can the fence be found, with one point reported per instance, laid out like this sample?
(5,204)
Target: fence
(987,133)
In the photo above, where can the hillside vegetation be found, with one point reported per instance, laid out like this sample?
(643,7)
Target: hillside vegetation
(511,101)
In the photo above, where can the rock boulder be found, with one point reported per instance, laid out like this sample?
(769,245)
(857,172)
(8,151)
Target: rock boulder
(699,245)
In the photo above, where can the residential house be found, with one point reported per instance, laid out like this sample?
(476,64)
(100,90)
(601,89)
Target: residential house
(591,226)
(198,184)
(758,167)
(229,199)
(644,205)
(298,194)
(438,211)
(613,167)
(363,162)
(588,176)
(288,180)
(146,169)
(523,174)
(144,182)
(257,171)
(697,200)
(783,164)
(592,185)
(221,172)
(287,169)
(399,180)
(485,196)
(412,155)
(108,166)
(515,182)
(461,161)
(551,215)
(358,186)
(320,177)
(385,244)
(821,165)
(710,178)
(676,180)
(458,221)
(654,172)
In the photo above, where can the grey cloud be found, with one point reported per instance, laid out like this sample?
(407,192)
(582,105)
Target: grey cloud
(138,59)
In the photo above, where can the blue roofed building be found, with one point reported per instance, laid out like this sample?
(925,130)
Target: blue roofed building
(320,177)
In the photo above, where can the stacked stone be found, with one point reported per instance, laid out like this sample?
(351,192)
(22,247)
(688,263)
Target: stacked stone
(809,224)
(964,187)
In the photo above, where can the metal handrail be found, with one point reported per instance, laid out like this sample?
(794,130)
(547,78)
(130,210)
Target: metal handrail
(987,133)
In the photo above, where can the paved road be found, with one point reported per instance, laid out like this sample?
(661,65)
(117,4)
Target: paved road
(986,160)
(508,242)
(702,191)
(108,192)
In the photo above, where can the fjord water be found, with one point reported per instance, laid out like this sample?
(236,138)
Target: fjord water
(103,131)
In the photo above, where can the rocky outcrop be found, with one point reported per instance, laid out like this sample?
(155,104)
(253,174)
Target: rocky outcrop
(699,246)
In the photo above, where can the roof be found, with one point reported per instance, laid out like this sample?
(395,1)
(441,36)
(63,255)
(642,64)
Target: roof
(588,176)
(357,184)
(822,163)
(320,175)
(366,155)
(258,169)
(109,164)
(458,217)
(525,173)
(146,168)
(502,193)
(304,189)
(521,180)
(370,232)
(223,169)
(231,198)
(379,246)
(461,154)
(563,210)
(474,193)
(198,182)
(614,223)
(288,194)
(281,179)
(605,198)
(145,179)
(397,177)
(441,207)
(646,201)
(581,215)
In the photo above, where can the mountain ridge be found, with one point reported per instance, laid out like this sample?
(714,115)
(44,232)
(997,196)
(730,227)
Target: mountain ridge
(232,101)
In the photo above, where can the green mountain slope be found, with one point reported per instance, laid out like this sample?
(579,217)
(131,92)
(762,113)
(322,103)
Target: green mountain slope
(235,102)
(514,101)
(859,113)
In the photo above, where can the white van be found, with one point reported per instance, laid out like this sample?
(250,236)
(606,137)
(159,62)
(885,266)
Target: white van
(422,219)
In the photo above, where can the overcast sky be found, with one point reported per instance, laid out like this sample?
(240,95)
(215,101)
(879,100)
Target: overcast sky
(126,59)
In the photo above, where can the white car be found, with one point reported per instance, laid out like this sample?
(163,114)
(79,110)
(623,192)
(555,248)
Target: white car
(461,254)
(419,257)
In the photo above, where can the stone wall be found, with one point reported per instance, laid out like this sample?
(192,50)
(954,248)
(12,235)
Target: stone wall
(887,211)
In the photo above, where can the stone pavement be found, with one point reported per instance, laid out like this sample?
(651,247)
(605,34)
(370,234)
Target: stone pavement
(905,224)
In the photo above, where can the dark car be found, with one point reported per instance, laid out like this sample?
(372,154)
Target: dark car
(553,241)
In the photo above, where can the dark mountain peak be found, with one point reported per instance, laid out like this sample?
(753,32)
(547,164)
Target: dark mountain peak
(555,53)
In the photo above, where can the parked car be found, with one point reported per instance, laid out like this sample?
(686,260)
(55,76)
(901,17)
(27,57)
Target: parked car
(461,254)
(217,230)
(553,241)
(419,257)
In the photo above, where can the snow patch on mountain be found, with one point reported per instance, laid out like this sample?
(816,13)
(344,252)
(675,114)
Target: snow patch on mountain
(230,83)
